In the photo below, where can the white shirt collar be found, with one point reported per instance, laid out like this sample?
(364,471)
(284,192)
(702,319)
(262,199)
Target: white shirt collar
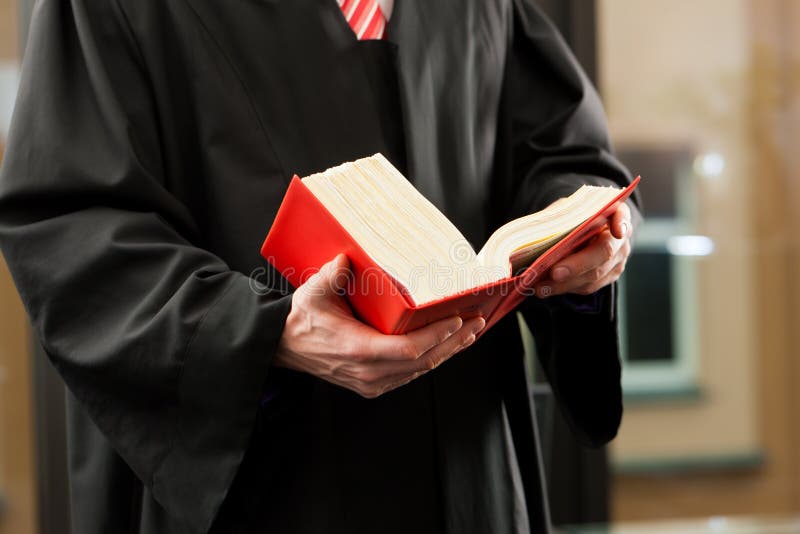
(386,7)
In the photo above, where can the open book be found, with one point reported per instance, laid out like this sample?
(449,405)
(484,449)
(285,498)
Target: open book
(411,265)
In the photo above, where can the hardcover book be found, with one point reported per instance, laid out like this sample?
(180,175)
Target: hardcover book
(410,265)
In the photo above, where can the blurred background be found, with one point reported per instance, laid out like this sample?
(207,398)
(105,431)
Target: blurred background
(703,100)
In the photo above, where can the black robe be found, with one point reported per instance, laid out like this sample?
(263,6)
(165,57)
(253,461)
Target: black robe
(151,146)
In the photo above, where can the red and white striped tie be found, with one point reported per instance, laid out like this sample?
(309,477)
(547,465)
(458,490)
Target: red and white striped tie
(365,17)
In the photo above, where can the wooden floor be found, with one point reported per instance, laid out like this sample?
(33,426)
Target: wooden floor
(713,525)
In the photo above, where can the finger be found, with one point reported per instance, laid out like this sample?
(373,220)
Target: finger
(434,356)
(593,277)
(610,278)
(621,222)
(599,252)
(410,346)
(376,378)
(332,278)
(402,380)
(462,339)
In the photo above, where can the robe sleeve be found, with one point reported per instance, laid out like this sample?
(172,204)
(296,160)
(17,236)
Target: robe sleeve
(162,343)
(560,142)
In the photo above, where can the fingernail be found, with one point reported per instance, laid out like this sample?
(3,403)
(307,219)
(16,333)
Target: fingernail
(456,326)
(478,326)
(545,291)
(624,228)
(560,273)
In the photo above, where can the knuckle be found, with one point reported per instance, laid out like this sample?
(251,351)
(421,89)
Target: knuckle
(358,374)
(371,390)
(369,393)
(409,351)
(334,370)
(467,343)
(363,352)
(370,378)
(608,250)
(351,349)
(596,274)
(442,336)
(466,338)
(365,376)
(428,365)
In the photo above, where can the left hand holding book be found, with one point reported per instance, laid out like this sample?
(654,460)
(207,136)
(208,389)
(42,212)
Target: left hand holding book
(324,339)
(598,264)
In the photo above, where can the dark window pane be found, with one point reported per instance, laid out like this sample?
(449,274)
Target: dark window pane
(648,305)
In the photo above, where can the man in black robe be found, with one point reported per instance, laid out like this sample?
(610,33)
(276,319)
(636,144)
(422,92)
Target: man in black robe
(150,149)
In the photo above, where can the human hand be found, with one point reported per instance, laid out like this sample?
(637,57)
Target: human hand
(322,338)
(596,265)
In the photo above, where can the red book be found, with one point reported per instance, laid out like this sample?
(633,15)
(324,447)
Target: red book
(305,235)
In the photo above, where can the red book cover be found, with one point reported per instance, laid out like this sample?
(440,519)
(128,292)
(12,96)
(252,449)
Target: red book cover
(305,236)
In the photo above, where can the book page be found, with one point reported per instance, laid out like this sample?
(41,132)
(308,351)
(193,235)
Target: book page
(518,243)
(405,234)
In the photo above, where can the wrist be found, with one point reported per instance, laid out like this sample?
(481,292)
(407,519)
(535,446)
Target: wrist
(282,351)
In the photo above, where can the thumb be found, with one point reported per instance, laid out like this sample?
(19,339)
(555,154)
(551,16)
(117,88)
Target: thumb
(621,222)
(332,278)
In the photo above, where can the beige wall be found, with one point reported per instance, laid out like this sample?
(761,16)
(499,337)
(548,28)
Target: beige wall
(724,75)
(8,30)
(678,76)
(9,68)
(16,434)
